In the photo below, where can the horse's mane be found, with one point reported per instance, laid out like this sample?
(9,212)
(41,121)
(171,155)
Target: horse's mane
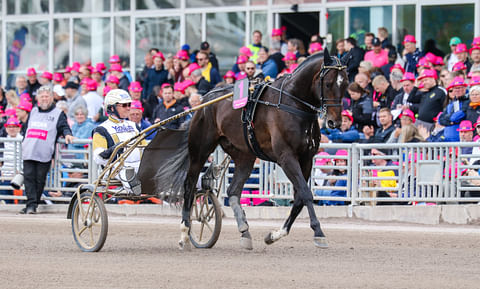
(311,59)
(212,94)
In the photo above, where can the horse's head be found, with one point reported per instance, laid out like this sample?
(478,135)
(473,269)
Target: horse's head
(333,82)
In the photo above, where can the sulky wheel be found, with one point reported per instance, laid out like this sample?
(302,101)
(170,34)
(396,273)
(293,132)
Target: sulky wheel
(206,220)
(89,222)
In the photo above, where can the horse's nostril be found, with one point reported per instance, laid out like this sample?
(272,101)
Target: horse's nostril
(331,124)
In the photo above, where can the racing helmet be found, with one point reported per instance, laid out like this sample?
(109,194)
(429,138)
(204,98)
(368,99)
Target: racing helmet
(113,97)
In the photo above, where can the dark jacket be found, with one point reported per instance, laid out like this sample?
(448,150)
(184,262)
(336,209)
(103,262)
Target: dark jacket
(471,113)
(124,83)
(427,104)
(362,110)
(412,60)
(387,98)
(154,77)
(354,59)
(382,135)
(163,113)
(451,120)
(203,86)
(32,90)
(277,57)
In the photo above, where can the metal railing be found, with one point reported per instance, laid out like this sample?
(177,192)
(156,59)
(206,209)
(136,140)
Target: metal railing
(406,174)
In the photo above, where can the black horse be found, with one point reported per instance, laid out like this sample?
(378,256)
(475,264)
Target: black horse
(286,130)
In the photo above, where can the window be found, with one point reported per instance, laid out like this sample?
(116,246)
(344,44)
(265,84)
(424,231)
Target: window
(336,25)
(121,5)
(27,6)
(258,21)
(157,4)
(449,21)
(193,30)
(214,3)
(226,34)
(122,39)
(91,40)
(63,6)
(405,22)
(61,28)
(369,19)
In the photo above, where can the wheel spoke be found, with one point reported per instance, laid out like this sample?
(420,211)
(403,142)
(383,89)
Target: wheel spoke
(82,230)
(201,231)
(92,242)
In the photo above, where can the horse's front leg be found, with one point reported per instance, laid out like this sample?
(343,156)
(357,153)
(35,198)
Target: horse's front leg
(189,195)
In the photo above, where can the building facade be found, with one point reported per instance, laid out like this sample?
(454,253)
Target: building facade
(50,34)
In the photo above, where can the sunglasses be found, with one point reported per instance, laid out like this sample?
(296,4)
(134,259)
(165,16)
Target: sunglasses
(201,59)
(443,75)
(124,104)
(250,68)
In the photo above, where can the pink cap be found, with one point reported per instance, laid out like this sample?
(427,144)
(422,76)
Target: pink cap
(397,66)
(182,55)
(114,59)
(408,113)
(136,105)
(465,125)
(474,47)
(438,61)
(76,66)
(47,75)
(409,38)
(179,86)
(277,32)
(100,66)
(230,74)
(458,66)
(192,67)
(68,69)
(423,62)
(461,47)
(115,67)
(85,80)
(187,83)
(31,71)
(476,41)
(25,105)
(430,57)
(341,153)
(242,59)
(113,79)
(290,56)
(348,114)
(10,112)
(475,80)
(135,86)
(159,54)
(96,70)
(323,161)
(428,73)
(245,51)
(457,81)
(57,77)
(92,85)
(106,89)
(408,76)
(314,47)
(25,97)
(13,121)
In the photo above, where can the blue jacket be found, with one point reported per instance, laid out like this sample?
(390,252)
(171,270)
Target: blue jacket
(269,68)
(336,135)
(154,77)
(451,120)
(339,192)
(412,60)
(145,124)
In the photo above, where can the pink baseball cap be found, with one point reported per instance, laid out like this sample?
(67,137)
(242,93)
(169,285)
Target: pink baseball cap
(113,79)
(100,66)
(68,69)
(187,83)
(192,67)
(179,86)
(76,66)
(241,59)
(182,55)
(430,57)
(106,89)
(114,59)
(474,47)
(13,121)
(428,73)
(245,51)
(408,113)
(423,62)
(136,105)
(438,61)
(465,125)
(115,67)
(10,112)
(230,74)
(289,56)
(25,105)
(457,81)
(159,54)
(314,47)
(348,114)
(341,153)
(397,66)
(459,66)
(408,76)
(47,75)
(461,47)
(322,161)
(135,86)
(57,77)
(409,38)
(91,85)
(31,71)
(277,32)
(476,41)
(25,97)
(474,81)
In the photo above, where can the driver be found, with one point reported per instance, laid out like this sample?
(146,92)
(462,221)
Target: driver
(116,129)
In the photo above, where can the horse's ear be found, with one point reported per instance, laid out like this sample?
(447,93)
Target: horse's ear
(327,60)
(346,58)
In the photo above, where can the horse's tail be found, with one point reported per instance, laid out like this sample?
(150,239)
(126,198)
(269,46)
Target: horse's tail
(165,164)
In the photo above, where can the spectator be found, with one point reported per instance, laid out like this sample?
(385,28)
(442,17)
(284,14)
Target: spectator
(451,58)
(136,115)
(461,52)
(384,184)
(256,45)
(82,129)
(392,58)
(410,134)
(377,56)
(341,171)
(321,176)
(11,99)
(277,37)
(97,75)
(93,100)
(436,135)
(46,78)
(73,98)
(58,93)
(112,82)
(472,111)
(401,99)
(20,85)
(428,102)
(155,76)
(250,69)
(32,83)
(22,110)
(201,84)
(290,60)
(382,33)
(383,133)
(475,56)
(117,71)
(465,130)
(411,54)
(266,63)
(354,58)
(347,133)
(363,79)
(368,41)
(169,107)
(316,48)
(229,77)
(205,47)
(384,94)
(115,60)
(209,72)
(361,107)
(241,62)
(365,66)
(454,112)
(180,61)
(276,55)
(296,46)
(148,60)
(10,150)
(45,124)
(340,47)
(443,77)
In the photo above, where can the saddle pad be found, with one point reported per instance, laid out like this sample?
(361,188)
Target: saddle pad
(240,94)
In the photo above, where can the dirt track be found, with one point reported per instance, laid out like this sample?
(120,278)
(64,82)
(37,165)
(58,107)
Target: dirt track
(39,252)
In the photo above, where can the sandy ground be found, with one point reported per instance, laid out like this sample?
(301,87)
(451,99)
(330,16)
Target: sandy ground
(39,252)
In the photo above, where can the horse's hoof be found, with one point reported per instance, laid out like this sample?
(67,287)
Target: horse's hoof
(184,246)
(268,239)
(246,243)
(320,242)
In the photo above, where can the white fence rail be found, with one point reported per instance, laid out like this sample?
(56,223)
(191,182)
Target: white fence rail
(395,173)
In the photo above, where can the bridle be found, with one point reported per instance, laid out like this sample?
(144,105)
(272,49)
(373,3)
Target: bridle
(323,72)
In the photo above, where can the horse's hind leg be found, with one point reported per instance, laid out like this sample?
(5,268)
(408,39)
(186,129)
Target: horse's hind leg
(243,168)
